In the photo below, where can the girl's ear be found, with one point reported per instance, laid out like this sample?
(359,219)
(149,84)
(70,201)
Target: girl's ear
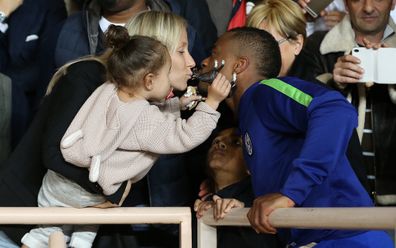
(148,80)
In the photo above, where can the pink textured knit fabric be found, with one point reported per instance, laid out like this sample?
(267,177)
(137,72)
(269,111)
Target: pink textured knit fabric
(130,136)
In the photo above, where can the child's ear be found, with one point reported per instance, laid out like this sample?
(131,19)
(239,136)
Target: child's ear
(148,80)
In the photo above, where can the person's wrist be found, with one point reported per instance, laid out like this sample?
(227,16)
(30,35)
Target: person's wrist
(212,103)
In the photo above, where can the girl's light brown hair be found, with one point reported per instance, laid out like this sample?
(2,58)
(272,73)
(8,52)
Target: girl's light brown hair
(133,57)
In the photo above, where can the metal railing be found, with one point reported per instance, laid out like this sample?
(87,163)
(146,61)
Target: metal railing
(375,218)
(143,215)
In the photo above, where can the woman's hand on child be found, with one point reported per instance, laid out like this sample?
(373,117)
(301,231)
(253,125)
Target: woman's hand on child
(218,91)
(224,205)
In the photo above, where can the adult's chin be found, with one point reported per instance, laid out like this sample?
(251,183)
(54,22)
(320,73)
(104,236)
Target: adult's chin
(180,86)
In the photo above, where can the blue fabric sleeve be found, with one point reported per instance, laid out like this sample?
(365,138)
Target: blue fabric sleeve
(326,125)
(331,121)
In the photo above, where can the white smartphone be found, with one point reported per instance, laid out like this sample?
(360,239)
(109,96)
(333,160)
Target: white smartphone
(378,65)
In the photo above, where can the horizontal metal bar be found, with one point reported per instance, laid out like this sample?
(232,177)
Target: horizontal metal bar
(60,215)
(374,218)
(53,215)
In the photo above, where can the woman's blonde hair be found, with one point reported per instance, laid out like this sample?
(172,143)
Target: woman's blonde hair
(165,27)
(63,69)
(285,16)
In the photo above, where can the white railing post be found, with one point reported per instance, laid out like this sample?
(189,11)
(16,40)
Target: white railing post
(206,235)
(185,234)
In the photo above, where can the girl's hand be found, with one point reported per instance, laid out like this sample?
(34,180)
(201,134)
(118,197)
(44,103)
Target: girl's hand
(186,100)
(218,91)
(224,205)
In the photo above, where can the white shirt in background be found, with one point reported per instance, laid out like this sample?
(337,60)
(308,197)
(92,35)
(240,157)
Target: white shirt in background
(336,5)
(104,24)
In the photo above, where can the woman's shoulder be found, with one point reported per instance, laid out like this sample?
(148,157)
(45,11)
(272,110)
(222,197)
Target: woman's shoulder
(79,80)
(87,66)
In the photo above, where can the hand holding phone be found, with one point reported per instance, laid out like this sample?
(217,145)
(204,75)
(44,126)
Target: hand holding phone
(314,7)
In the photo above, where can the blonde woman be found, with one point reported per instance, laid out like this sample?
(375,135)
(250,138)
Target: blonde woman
(40,149)
(285,20)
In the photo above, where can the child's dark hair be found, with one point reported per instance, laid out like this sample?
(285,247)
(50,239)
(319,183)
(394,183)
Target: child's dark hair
(133,57)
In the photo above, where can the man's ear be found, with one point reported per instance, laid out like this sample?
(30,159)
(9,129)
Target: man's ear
(241,65)
(148,81)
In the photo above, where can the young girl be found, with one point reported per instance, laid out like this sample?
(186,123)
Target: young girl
(123,127)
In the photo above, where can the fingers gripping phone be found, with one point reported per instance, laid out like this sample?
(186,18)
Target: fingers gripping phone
(314,7)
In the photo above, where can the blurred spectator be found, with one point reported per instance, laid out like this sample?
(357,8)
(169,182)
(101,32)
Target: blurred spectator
(227,14)
(73,6)
(27,41)
(5,117)
(329,17)
(82,33)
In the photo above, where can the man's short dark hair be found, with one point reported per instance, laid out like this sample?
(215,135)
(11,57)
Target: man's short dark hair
(262,46)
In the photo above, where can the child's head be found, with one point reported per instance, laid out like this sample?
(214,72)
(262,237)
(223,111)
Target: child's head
(171,30)
(225,157)
(138,62)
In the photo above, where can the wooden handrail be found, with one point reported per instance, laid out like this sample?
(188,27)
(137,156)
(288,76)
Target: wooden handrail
(142,215)
(374,218)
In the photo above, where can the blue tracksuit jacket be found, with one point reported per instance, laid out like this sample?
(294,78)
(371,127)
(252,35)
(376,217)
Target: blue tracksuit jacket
(295,136)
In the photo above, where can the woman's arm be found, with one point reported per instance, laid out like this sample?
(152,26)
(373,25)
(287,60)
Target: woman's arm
(68,95)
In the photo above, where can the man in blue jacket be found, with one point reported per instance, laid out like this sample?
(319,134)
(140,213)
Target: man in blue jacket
(295,153)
